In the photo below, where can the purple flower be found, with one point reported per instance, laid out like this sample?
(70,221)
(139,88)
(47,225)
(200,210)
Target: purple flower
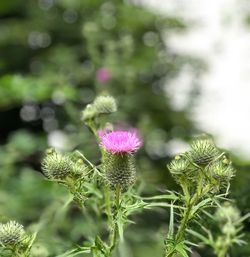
(120,141)
(103,75)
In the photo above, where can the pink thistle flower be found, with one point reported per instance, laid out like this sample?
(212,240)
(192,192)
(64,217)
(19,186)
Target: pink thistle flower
(120,141)
(103,75)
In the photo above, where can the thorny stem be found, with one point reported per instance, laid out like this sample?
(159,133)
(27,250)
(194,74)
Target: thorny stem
(93,128)
(108,206)
(187,214)
(114,234)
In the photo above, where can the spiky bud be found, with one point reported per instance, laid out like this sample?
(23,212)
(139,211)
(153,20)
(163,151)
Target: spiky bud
(79,168)
(221,171)
(203,152)
(89,112)
(56,166)
(105,104)
(227,212)
(11,233)
(178,166)
(119,170)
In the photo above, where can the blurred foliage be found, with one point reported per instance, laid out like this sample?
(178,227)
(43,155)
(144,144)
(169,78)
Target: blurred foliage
(50,52)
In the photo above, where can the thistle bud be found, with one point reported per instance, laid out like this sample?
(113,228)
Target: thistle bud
(79,168)
(119,170)
(227,213)
(89,113)
(11,233)
(119,163)
(105,104)
(56,166)
(221,171)
(203,152)
(178,166)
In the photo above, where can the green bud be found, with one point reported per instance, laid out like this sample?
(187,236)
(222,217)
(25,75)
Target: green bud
(229,229)
(178,166)
(11,233)
(221,171)
(119,170)
(79,168)
(56,166)
(227,213)
(105,104)
(89,113)
(203,152)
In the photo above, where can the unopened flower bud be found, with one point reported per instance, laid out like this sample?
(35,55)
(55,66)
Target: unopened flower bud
(56,166)
(221,172)
(105,104)
(203,152)
(178,166)
(79,168)
(227,212)
(11,233)
(89,113)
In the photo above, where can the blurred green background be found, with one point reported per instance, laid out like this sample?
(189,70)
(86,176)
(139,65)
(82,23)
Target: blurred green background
(50,55)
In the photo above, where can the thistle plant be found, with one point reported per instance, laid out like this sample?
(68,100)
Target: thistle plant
(109,184)
(204,175)
(108,190)
(229,223)
(14,240)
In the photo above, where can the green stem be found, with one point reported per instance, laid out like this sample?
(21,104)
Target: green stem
(183,225)
(222,251)
(187,214)
(108,206)
(115,232)
(93,128)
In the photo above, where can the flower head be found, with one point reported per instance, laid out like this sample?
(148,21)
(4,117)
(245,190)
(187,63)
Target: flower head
(203,151)
(103,75)
(105,104)
(11,233)
(55,165)
(120,141)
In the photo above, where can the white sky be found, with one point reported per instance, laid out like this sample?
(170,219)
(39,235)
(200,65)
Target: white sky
(219,37)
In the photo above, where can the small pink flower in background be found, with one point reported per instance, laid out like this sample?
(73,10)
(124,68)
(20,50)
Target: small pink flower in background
(103,74)
(120,141)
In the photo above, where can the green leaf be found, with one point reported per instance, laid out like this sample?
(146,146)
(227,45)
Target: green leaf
(160,197)
(198,235)
(171,223)
(75,252)
(200,205)
(180,248)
